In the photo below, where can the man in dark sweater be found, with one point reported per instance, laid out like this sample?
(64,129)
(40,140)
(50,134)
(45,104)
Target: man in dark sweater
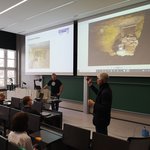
(56,87)
(102,103)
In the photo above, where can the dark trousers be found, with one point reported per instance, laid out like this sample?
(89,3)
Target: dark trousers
(55,102)
(101,129)
(55,105)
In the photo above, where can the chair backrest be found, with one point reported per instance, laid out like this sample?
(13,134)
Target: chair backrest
(37,106)
(104,142)
(3,143)
(16,102)
(13,111)
(34,122)
(139,143)
(40,98)
(4,117)
(4,112)
(11,146)
(75,137)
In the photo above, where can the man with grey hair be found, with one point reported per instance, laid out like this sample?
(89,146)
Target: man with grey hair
(102,103)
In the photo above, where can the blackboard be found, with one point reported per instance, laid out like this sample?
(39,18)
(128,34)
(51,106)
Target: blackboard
(129,93)
(73,87)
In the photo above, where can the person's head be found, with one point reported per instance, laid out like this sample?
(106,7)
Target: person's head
(53,76)
(27,101)
(2,96)
(102,78)
(20,122)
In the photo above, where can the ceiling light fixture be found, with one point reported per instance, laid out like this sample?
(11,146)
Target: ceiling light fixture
(2,12)
(52,9)
(99,10)
(13,24)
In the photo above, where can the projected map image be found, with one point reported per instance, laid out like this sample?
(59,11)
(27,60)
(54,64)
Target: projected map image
(118,38)
(39,55)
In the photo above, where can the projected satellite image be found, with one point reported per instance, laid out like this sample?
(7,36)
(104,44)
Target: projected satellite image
(39,55)
(118,38)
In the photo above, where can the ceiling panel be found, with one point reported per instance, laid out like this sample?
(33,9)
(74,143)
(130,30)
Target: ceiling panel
(4,4)
(34,15)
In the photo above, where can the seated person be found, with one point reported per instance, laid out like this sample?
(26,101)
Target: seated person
(27,105)
(2,97)
(19,135)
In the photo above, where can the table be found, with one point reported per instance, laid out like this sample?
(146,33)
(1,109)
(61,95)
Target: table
(54,119)
(47,137)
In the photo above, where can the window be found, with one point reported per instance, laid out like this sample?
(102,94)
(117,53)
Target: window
(7,67)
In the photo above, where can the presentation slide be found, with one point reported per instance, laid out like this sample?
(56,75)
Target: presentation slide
(116,43)
(50,51)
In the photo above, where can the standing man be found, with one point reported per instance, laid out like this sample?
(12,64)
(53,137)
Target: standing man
(102,104)
(56,90)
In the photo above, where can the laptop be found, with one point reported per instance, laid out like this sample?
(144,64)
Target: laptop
(45,113)
(38,107)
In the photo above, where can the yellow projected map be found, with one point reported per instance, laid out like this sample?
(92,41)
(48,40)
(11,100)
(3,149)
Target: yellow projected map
(120,36)
(39,55)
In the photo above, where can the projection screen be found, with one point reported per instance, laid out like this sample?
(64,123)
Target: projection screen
(117,43)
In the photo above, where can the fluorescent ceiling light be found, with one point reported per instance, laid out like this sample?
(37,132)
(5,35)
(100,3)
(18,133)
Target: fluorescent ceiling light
(2,12)
(52,9)
(105,8)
